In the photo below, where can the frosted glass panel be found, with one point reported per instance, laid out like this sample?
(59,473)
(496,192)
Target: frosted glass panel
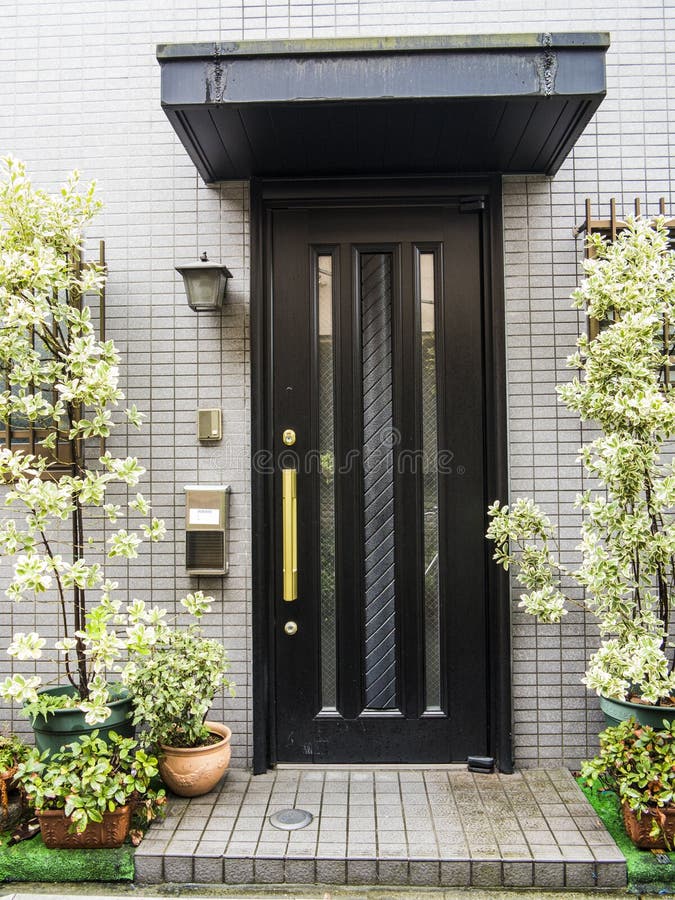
(324,295)
(427,298)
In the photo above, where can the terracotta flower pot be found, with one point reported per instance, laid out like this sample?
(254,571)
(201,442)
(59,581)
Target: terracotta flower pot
(6,784)
(109,833)
(11,801)
(638,830)
(192,771)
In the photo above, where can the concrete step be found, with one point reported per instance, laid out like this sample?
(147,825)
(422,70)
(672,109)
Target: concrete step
(424,828)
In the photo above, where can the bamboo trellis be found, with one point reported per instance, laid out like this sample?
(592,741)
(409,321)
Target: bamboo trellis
(609,228)
(27,436)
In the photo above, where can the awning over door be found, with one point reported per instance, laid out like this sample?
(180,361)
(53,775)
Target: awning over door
(474,104)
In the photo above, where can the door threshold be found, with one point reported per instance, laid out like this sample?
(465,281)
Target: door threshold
(391,767)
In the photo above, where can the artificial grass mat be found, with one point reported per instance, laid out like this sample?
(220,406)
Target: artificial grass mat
(644,872)
(31,861)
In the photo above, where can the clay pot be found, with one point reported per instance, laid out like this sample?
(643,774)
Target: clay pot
(11,801)
(109,833)
(638,830)
(192,771)
(6,784)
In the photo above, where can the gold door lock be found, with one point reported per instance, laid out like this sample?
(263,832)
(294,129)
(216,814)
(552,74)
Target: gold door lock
(288,437)
(291,628)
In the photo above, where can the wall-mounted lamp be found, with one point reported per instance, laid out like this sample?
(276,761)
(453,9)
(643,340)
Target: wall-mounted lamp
(205,284)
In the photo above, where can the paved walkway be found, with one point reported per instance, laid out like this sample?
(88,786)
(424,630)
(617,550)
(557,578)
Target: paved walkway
(426,828)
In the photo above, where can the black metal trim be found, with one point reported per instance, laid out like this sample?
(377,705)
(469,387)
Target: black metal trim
(262,557)
(499,611)
(283,193)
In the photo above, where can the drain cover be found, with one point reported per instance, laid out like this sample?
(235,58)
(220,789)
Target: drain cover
(290,819)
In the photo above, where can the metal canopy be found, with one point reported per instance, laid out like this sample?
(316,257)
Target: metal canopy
(473,104)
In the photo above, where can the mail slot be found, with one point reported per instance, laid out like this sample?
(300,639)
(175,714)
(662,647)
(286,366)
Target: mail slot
(206,514)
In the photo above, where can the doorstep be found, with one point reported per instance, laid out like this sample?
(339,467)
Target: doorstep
(429,828)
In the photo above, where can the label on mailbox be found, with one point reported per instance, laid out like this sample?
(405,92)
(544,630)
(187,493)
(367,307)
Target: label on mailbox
(204,516)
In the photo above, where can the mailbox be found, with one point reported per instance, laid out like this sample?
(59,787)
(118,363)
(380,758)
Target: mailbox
(206,514)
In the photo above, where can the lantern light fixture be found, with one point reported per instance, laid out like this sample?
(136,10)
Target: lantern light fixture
(205,284)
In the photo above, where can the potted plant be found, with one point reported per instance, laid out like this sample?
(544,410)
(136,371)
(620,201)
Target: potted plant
(637,762)
(85,794)
(13,751)
(626,569)
(173,688)
(60,384)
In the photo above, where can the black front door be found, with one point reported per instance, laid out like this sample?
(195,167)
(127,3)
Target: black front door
(379,430)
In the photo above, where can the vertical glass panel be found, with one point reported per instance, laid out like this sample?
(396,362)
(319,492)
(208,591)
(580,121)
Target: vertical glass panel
(432,661)
(378,481)
(324,295)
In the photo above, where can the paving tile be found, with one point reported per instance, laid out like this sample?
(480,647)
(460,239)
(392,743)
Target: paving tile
(392,871)
(545,852)
(238,871)
(392,851)
(486,873)
(240,848)
(424,872)
(268,871)
(517,873)
(577,853)
(178,869)
(423,852)
(178,847)
(208,869)
(268,849)
(611,874)
(549,874)
(580,875)
(149,869)
(361,871)
(455,873)
(331,871)
(607,853)
(329,850)
(300,871)
(514,851)
(361,851)
(210,848)
(570,837)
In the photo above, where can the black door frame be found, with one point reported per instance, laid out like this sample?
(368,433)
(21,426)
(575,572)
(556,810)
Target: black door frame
(269,194)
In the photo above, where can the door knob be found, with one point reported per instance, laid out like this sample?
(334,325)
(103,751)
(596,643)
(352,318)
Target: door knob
(291,628)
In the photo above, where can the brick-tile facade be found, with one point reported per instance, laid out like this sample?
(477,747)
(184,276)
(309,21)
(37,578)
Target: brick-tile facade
(81,90)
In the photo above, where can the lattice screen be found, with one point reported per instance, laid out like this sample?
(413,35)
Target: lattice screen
(26,435)
(609,228)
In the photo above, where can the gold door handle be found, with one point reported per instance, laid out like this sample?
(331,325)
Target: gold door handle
(289,516)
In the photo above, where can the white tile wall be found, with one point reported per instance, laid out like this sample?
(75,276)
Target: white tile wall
(81,90)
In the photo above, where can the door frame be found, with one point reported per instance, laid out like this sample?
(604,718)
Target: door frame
(269,194)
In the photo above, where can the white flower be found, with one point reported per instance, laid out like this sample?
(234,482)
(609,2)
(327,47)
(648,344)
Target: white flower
(26,646)
(197,604)
(20,689)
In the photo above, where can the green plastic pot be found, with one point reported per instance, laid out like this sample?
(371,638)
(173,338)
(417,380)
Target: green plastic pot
(616,711)
(67,725)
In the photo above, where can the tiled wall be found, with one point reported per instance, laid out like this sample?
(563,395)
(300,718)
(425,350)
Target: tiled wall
(81,89)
